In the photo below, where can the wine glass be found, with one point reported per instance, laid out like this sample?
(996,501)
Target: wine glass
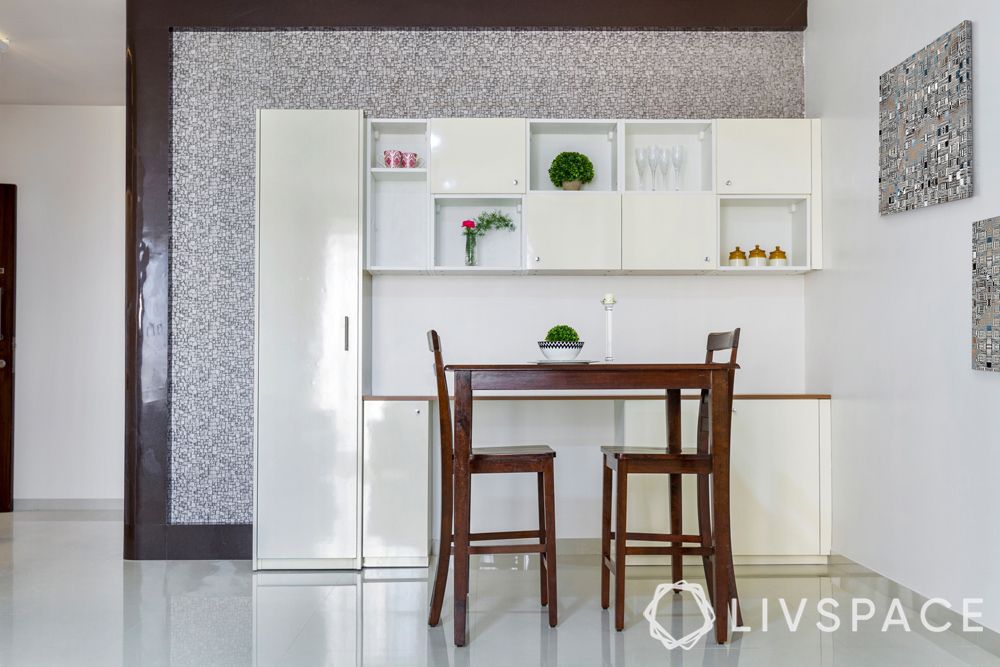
(641,163)
(657,162)
(677,158)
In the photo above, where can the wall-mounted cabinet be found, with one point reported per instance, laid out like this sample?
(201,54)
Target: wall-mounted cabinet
(764,156)
(573,231)
(669,232)
(735,182)
(477,155)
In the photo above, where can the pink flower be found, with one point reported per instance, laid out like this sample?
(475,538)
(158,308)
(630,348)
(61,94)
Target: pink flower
(469,224)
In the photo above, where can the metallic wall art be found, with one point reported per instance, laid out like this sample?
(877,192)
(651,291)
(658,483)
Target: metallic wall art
(986,295)
(925,125)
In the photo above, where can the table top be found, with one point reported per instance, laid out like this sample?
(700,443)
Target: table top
(584,368)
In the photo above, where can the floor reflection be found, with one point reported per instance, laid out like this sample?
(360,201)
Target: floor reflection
(67,598)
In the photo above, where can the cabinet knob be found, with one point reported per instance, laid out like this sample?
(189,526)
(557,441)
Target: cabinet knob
(538,259)
(729,181)
(706,259)
(515,181)
(418,411)
(3,363)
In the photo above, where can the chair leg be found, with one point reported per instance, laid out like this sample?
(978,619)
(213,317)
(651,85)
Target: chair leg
(621,530)
(676,527)
(723,552)
(444,556)
(461,551)
(605,536)
(541,529)
(550,542)
(705,530)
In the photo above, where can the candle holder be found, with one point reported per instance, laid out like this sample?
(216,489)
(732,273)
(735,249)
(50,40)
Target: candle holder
(609,305)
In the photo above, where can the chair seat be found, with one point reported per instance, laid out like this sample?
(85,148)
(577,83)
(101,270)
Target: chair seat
(533,451)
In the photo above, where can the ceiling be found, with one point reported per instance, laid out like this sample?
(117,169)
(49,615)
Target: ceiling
(63,52)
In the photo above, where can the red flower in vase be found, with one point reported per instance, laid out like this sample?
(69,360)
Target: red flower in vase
(469,224)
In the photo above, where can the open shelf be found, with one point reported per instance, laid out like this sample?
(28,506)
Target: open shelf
(400,174)
(402,135)
(696,138)
(597,139)
(766,221)
(499,250)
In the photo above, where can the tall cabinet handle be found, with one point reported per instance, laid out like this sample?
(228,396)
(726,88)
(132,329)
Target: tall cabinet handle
(347,333)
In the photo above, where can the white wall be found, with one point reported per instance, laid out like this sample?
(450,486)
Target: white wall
(69,166)
(916,448)
(657,318)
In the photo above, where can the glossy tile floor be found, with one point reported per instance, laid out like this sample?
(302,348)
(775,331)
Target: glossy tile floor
(67,598)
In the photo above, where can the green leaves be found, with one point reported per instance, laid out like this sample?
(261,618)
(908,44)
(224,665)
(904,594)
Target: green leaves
(562,333)
(489,220)
(571,167)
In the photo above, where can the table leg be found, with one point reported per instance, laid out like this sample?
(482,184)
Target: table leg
(676,481)
(463,448)
(721,418)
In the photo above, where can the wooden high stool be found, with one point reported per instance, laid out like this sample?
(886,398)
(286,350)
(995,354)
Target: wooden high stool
(710,462)
(536,459)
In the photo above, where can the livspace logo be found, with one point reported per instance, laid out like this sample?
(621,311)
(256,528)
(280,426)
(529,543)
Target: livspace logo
(862,611)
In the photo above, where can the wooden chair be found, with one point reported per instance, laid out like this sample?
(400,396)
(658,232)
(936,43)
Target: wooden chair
(673,461)
(523,459)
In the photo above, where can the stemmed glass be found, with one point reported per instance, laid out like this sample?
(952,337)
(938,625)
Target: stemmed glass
(657,162)
(678,159)
(641,163)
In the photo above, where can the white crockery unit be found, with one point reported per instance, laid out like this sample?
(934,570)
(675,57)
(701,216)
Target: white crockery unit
(345,476)
(743,182)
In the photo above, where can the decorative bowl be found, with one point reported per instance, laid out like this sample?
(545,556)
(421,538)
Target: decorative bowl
(560,350)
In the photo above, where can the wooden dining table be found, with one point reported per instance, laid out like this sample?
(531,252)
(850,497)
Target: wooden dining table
(671,378)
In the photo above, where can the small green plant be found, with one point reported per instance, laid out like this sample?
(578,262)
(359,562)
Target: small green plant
(562,333)
(568,167)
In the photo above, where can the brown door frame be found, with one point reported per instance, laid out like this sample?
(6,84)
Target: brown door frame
(148,531)
(8,282)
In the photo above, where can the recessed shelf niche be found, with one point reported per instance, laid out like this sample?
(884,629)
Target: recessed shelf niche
(696,138)
(768,222)
(397,197)
(597,139)
(498,250)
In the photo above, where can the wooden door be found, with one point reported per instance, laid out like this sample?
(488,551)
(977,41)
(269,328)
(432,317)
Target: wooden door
(573,231)
(478,156)
(669,232)
(8,254)
(764,156)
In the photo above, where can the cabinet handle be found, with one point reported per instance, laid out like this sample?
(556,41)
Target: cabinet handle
(729,182)
(347,333)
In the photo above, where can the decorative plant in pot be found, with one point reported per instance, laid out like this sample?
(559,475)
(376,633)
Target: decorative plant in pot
(561,343)
(473,229)
(570,171)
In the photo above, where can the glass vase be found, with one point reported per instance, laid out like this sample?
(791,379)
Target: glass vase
(470,249)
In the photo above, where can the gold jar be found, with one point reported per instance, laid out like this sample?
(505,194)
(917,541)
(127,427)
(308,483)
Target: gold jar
(758,257)
(778,257)
(737,257)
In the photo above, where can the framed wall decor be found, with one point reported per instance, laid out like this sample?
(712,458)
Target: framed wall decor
(925,125)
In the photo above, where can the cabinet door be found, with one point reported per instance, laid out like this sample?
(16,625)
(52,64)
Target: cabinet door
(764,156)
(396,483)
(775,481)
(669,232)
(478,155)
(307,444)
(573,231)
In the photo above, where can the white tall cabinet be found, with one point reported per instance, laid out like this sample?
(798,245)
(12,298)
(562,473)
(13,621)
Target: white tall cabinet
(307,448)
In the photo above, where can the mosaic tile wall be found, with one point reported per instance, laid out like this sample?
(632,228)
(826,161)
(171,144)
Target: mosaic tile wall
(986,295)
(925,125)
(221,78)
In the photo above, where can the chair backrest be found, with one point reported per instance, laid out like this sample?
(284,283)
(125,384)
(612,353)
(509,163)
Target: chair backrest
(444,406)
(717,342)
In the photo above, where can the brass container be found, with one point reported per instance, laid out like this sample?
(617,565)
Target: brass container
(737,257)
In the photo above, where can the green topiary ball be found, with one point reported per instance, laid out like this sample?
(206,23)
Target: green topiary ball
(571,167)
(562,333)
